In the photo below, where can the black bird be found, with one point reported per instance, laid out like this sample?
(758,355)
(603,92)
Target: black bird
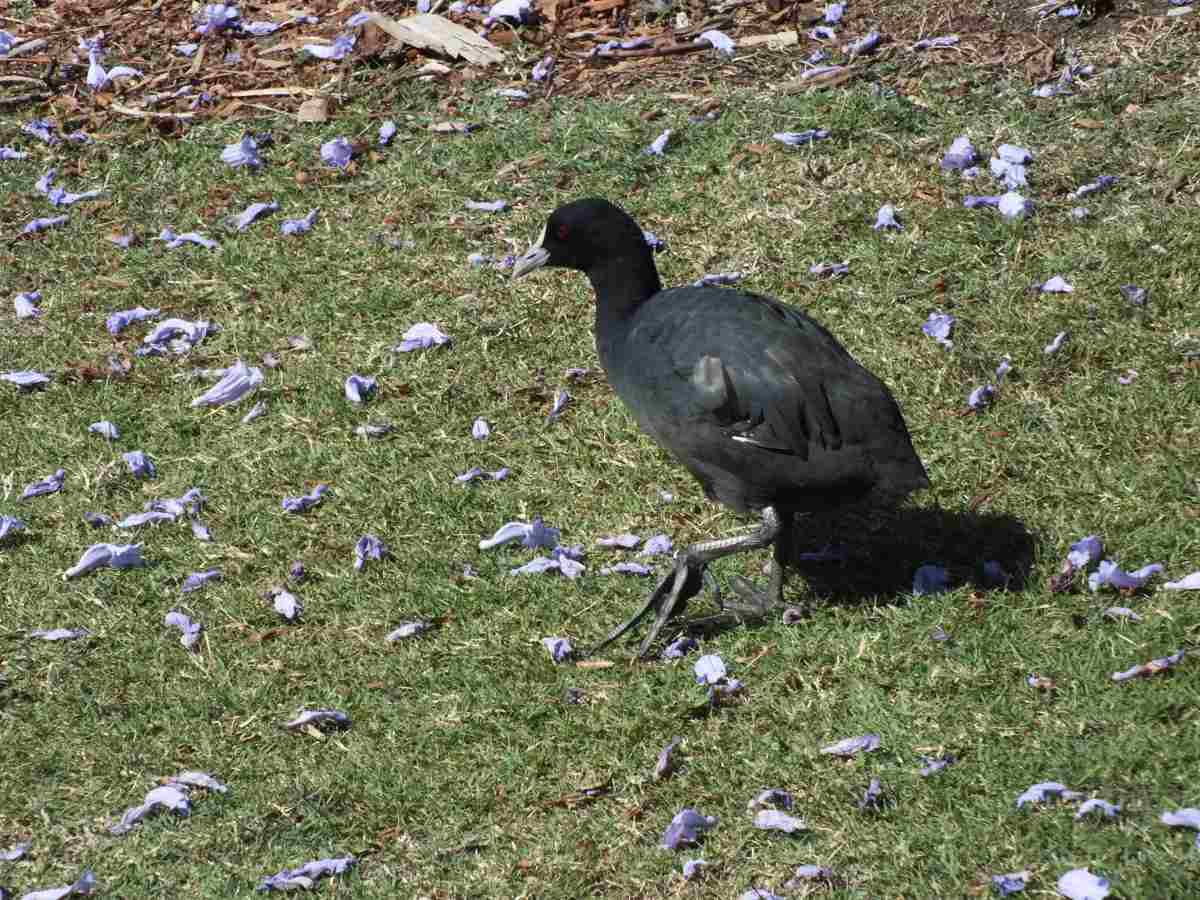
(760,403)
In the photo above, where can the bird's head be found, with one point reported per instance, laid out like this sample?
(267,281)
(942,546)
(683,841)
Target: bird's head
(582,234)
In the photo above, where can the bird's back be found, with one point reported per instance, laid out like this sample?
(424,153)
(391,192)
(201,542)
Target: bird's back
(758,401)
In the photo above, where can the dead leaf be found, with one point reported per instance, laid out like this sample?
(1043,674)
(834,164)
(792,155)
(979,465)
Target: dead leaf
(315,109)
(595,664)
(1093,124)
(432,32)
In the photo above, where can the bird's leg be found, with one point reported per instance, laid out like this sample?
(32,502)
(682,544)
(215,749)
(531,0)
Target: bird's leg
(756,603)
(683,581)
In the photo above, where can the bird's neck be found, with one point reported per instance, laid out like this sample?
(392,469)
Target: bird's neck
(621,285)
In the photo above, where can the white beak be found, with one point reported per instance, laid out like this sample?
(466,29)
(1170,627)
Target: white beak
(533,258)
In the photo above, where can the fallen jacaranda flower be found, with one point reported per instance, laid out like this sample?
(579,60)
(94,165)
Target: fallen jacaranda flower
(830,269)
(1154,667)
(15,852)
(198,779)
(1107,810)
(1012,883)
(938,326)
(191,501)
(83,886)
(1055,345)
(105,429)
(1055,285)
(255,411)
(936,43)
(961,155)
(305,501)
(1134,294)
(561,399)
(658,146)
(1079,213)
(1188,817)
(97,520)
(627,568)
(160,799)
(407,630)
(532,535)
(51,484)
(1109,573)
(776,797)
(665,764)
(197,580)
(930,579)
(242,154)
(189,630)
(1080,884)
(306,875)
(238,381)
(150,517)
(758,894)
(40,129)
(421,336)
(656,545)
(25,381)
(872,799)
(686,828)
(833,13)
(1013,206)
(864,44)
(851,746)
(1044,790)
(9,526)
(36,225)
(1085,551)
(368,547)
(139,464)
(337,153)
(216,17)
(806,874)
(1186,583)
(359,387)
(542,69)
(691,869)
(774,820)
(934,764)
(680,647)
(319,718)
(200,531)
(487,205)
(720,41)
(476,472)
(800,138)
(557,562)
(286,604)
(559,648)
(298,226)
(1012,174)
(1013,154)
(1104,181)
(981,397)
(718,278)
(822,33)
(1120,613)
(58,634)
(24,305)
(342,44)
(709,669)
(174,240)
(885,218)
(387,131)
(123,318)
(247,216)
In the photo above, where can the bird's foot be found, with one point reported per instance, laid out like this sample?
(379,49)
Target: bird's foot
(755,604)
(667,599)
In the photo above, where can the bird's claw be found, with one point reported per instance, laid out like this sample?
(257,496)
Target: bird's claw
(668,598)
(755,604)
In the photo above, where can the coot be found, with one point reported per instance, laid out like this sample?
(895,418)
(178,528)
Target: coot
(760,403)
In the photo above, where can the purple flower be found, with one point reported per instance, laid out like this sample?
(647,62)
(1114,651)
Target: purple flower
(1109,573)
(774,820)
(150,517)
(532,535)
(359,388)
(1154,667)
(197,580)
(981,397)
(98,78)
(199,779)
(420,337)
(24,305)
(161,799)
(216,17)
(476,472)
(321,719)
(936,43)
(833,13)
(1079,213)
(1013,154)
(83,886)
(1186,583)
(1055,345)
(627,568)
(337,153)
(686,828)
(51,484)
(852,746)
(306,501)
(58,634)
(407,630)
(238,381)
(885,218)
(1055,285)
(298,226)
(758,894)
(691,869)
(242,154)
(174,240)
(720,41)
(960,156)
(1080,884)
(656,545)
(303,877)
(808,873)
(10,153)
(680,647)
(342,44)
(830,269)
(665,764)
(252,212)
(822,33)
(200,531)
(1134,294)
(16,851)
(709,669)
(116,556)
(118,321)
(1188,817)
(864,44)
(96,520)
(776,797)
(515,11)
(872,798)
(556,562)
(934,764)
(542,69)
(9,526)
(139,465)
(659,145)
(42,224)
(624,541)
(25,381)
(558,648)
(1012,883)
(939,326)
(561,399)
(387,131)
(1121,613)
(368,547)
(189,630)
(480,429)
(1044,790)
(719,278)
(800,138)
(1085,551)
(1013,206)
(1107,810)
(105,429)
(487,205)
(286,604)
(1012,174)
(40,129)
(1100,184)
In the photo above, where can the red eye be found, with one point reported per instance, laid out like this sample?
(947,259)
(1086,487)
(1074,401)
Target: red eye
(562,232)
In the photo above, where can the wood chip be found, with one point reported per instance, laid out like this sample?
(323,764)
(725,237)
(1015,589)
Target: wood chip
(431,32)
(315,109)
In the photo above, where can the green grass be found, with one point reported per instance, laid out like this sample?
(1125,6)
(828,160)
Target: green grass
(460,775)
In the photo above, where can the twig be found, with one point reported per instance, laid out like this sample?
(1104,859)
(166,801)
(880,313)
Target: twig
(148,114)
(672,50)
(21,99)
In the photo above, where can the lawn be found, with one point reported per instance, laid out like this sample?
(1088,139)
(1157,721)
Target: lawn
(474,765)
